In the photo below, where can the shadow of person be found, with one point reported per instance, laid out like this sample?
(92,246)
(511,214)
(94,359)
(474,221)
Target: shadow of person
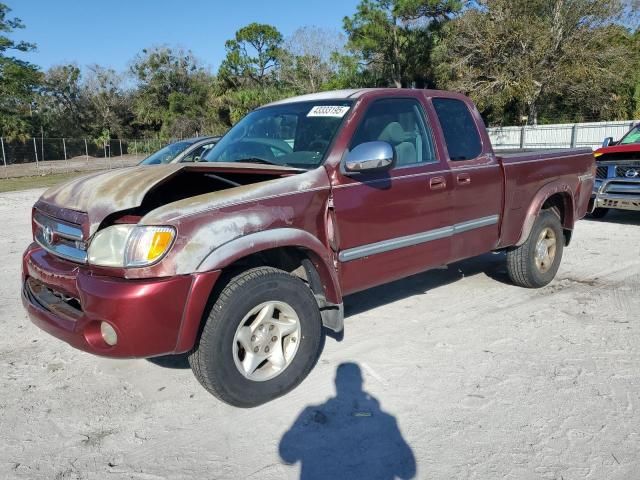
(348,437)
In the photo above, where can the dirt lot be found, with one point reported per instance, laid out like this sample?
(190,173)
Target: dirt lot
(464,376)
(77,164)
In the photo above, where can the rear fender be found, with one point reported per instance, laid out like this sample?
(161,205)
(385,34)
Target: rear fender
(234,250)
(546,192)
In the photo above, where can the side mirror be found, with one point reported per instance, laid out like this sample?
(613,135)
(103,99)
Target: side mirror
(196,158)
(607,141)
(370,157)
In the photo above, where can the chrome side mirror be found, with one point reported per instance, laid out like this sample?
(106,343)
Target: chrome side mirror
(370,157)
(607,141)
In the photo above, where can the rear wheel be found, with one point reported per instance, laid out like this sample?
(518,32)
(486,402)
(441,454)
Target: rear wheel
(535,263)
(599,213)
(262,337)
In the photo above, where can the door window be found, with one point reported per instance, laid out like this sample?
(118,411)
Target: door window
(399,122)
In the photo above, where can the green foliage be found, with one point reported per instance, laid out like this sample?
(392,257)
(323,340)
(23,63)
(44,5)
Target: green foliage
(394,38)
(18,80)
(253,56)
(635,56)
(538,60)
(61,109)
(172,90)
(235,104)
(349,73)
(311,59)
(520,60)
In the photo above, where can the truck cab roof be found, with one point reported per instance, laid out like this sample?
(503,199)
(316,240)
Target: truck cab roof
(355,93)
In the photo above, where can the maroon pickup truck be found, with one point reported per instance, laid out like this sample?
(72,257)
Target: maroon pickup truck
(243,258)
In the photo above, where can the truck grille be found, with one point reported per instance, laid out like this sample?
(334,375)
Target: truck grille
(59,238)
(601,172)
(628,171)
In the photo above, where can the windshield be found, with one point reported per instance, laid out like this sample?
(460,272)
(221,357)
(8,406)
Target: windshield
(166,154)
(633,136)
(295,134)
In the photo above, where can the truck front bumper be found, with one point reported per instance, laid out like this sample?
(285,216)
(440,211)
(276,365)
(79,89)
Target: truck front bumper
(150,317)
(619,193)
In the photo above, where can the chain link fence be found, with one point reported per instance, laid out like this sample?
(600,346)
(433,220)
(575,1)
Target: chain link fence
(42,156)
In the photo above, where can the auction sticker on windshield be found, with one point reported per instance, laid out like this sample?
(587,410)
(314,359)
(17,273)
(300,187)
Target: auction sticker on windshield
(328,111)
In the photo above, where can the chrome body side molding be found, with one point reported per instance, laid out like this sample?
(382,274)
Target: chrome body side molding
(415,239)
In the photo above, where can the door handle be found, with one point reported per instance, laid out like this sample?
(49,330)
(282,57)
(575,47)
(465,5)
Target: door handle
(464,179)
(437,183)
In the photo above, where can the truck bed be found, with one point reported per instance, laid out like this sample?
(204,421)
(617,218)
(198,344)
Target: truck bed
(540,174)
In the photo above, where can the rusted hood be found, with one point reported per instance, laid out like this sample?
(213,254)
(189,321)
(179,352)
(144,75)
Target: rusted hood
(101,194)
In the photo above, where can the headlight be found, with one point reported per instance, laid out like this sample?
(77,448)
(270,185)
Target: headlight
(130,245)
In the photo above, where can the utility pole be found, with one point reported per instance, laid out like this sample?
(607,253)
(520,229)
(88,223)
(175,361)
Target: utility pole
(35,149)
(4,158)
(64,148)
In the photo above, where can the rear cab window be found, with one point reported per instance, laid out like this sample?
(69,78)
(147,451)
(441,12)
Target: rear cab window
(459,128)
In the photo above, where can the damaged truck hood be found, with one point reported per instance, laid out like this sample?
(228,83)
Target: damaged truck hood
(102,194)
(106,192)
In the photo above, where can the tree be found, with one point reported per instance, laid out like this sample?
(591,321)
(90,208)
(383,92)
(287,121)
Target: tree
(636,79)
(253,56)
(95,104)
(514,57)
(310,59)
(232,105)
(107,102)
(18,80)
(172,91)
(61,110)
(349,73)
(249,76)
(395,37)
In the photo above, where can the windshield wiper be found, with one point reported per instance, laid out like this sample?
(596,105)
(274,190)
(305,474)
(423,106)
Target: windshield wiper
(259,160)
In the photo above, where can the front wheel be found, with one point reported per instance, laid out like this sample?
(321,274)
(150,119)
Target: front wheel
(535,263)
(261,339)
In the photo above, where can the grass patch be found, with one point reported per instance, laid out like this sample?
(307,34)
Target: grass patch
(41,181)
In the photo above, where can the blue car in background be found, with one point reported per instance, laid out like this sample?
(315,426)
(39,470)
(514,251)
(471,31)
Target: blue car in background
(188,150)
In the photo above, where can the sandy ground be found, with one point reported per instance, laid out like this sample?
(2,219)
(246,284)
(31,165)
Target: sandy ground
(464,376)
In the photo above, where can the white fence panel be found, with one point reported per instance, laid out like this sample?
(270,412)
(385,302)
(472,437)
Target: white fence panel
(563,135)
(505,137)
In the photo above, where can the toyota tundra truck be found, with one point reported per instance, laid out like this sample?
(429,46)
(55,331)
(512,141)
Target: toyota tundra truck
(243,260)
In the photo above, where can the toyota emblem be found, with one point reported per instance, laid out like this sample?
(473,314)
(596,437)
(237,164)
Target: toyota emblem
(631,173)
(47,233)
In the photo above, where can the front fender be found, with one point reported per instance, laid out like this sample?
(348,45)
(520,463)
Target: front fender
(226,254)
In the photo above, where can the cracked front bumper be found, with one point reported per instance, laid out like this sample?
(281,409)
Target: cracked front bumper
(151,317)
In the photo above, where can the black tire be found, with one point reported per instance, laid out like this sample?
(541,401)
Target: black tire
(599,213)
(212,359)
(521,261)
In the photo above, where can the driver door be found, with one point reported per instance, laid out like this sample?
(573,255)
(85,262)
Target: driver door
(394,223)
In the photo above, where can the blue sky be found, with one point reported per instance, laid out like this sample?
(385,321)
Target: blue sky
(110,33)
